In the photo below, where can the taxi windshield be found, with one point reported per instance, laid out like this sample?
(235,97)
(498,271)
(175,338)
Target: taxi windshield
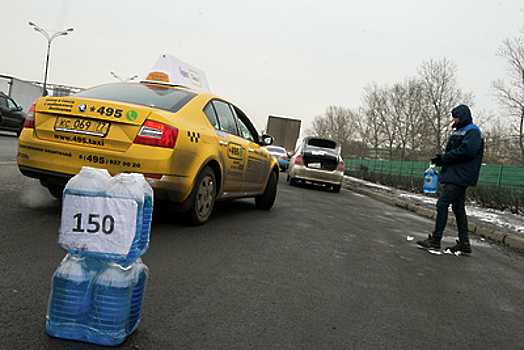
(150,95)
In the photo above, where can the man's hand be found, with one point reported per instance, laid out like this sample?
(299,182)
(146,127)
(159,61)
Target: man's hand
(437,160)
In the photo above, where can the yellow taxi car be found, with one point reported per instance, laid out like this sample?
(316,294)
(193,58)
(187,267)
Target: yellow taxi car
(193,147)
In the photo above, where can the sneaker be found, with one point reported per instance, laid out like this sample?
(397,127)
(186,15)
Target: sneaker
(463,247)
(430,242)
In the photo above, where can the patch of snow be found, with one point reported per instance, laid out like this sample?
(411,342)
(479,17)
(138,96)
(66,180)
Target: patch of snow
(498,218)
(367,183)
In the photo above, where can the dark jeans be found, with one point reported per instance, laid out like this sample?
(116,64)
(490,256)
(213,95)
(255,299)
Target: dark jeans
(456,196)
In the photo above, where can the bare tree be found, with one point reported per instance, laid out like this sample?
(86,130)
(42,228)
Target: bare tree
(440,94)
(336,123)
(501,146)
(412,117)
(390,125)
(372,110)
(405,100)
(511,94)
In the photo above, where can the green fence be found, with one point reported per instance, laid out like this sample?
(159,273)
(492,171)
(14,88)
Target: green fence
(498,175)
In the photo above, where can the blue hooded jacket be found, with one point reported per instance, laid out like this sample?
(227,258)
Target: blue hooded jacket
(464,151)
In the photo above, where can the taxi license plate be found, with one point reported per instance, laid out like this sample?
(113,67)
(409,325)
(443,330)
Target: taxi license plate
(315,165)
(82,126)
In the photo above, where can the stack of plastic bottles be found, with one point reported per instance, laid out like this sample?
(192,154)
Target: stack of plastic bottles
(97,291)
(430,179)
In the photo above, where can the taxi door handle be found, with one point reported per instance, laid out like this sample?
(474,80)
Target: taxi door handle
(222,143)
(251,150)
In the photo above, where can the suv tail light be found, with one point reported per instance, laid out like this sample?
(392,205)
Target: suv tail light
(157,134)
(30,120)
(340,166)
(299,160)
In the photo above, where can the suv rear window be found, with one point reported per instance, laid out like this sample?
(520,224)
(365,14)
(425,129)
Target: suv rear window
(150,95)
(322,143)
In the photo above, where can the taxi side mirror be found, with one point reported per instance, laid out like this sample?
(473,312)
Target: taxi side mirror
(267,140)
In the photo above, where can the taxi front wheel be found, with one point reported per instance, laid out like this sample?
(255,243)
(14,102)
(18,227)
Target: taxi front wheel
(203,197)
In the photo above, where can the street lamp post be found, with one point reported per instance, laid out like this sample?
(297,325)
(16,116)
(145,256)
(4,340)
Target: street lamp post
(49,38)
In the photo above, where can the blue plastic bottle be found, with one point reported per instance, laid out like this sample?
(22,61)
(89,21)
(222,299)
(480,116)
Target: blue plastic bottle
(129,186)
(141,272)
(430,179)
(69,301)
(147,215)
(111,297)
(88,182)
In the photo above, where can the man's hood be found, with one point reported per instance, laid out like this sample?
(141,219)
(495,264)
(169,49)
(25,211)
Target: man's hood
(463,113)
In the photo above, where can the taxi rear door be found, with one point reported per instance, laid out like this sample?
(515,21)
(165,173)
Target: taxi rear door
(232,148)
(258,160)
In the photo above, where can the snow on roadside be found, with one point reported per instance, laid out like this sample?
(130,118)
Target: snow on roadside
(498,218)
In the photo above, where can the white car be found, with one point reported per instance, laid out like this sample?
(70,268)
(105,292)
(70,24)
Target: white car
(317,160)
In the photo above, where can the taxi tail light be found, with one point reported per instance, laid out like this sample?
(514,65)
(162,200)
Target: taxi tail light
(153,176)
(157,134)
(299,160)
(30,119)
(340,166)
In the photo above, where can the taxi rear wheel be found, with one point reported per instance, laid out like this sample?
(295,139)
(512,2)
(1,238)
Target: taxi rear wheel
(55,190)
(204,194)
(267,199)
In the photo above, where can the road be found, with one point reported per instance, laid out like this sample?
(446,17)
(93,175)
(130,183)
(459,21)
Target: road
(319,271)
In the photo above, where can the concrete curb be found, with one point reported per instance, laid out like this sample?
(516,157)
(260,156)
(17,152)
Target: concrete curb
(512,241)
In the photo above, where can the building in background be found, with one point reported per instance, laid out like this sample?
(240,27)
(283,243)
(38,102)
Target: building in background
(25,92)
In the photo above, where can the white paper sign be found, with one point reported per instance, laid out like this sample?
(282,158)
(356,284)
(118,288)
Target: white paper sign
(98,224)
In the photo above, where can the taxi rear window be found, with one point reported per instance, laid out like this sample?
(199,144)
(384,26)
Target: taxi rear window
(165,98)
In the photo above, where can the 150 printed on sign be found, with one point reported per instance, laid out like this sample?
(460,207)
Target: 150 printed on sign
(97,224)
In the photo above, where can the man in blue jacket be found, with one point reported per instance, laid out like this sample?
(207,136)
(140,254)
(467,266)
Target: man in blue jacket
(460,169)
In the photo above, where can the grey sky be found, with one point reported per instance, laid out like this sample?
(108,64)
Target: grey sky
(287,57)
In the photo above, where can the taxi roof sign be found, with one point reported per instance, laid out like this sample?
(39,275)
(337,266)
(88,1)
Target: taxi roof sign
(171,70)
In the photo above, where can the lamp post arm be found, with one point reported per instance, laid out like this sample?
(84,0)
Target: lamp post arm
(49,40)
(44,33)
(57,34)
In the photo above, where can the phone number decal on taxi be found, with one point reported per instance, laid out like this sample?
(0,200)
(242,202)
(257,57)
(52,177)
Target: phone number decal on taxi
(91,158)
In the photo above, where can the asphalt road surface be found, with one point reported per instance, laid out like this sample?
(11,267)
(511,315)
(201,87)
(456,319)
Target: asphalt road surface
(319,271)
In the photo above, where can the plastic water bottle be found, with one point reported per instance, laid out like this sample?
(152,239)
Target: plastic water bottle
(131,186)
(69,301)
(147,215)
(111,297)
(88,182)
(430,179)
(141,271)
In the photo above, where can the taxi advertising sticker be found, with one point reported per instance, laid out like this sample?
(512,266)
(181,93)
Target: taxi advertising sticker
(169,69)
